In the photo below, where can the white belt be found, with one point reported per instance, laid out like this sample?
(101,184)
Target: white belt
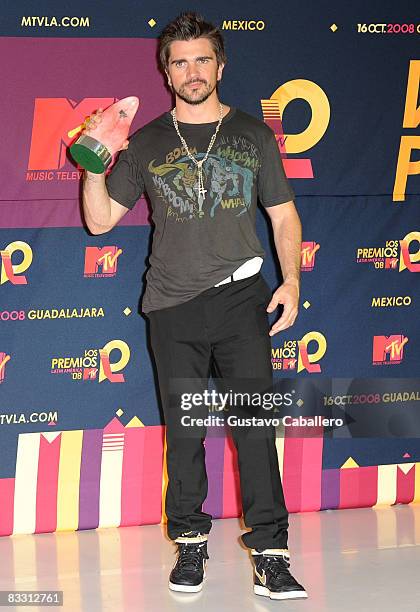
(249,268)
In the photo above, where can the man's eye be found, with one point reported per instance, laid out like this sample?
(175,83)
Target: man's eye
(178,64)
(203,60)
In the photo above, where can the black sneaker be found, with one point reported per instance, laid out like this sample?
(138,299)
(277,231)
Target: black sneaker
(189,571)
(272,577)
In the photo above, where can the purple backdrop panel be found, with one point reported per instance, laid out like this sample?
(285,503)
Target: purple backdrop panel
(59,213)
(51,99)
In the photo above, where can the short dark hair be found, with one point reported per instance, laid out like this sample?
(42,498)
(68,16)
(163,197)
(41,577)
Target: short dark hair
(189,26)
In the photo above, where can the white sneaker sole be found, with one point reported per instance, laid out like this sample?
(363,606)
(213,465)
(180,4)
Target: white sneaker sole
(262,590)
(185,588)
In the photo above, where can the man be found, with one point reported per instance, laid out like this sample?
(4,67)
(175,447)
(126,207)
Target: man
(203,166)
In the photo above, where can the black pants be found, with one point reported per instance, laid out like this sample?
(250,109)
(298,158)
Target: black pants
(225,327)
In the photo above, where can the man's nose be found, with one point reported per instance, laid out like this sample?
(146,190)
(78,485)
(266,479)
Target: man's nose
(192,71)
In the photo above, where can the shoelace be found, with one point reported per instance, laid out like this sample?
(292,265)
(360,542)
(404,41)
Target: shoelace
(191,556)
(278,565)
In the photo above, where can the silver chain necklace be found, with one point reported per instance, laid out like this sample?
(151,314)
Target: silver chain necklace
(200,187)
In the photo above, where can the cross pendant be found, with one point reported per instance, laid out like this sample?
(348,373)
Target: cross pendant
(201,191)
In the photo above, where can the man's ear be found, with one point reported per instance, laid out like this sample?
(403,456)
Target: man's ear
(220,72)
(169,78)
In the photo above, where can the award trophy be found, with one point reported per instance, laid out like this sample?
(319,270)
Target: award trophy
(95,154)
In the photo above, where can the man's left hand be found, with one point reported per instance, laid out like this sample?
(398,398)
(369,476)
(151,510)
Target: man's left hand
(288,295)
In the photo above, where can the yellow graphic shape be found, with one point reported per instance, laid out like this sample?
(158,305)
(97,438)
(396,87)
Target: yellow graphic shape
(319,353)
(11,248)
(320,108)
(135,422)
(408,143)
(405,243)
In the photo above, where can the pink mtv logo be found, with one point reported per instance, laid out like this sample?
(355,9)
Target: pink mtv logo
(289,363)
(308,251)
(90,373)
(54,122)
(391,263)
(102,259)
(388,349)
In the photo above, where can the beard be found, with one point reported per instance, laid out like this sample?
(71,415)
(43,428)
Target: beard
(195,98)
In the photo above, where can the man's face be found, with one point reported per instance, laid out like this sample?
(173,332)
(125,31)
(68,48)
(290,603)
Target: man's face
(192,69)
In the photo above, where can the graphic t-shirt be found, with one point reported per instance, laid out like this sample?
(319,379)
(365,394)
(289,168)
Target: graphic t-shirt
(196,246)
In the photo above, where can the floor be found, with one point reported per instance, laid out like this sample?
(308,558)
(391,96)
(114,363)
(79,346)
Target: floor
(363,559)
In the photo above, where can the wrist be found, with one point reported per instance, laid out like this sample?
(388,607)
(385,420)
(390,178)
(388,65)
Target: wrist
(292,280)
(93,176)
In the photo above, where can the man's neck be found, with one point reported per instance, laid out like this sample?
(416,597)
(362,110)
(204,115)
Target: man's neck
(206,112)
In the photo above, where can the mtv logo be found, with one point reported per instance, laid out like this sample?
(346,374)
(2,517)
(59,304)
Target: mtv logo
(388,349)
(54,123)
(289,363)
(90,373)
(391,263)
(102,259)
(308,251)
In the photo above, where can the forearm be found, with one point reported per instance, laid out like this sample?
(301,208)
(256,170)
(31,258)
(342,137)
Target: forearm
(288,242)
(96,202)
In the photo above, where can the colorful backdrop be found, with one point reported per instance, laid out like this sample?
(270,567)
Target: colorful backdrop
(81,433)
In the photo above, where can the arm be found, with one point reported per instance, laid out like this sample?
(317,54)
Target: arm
(100,210)
(287,230)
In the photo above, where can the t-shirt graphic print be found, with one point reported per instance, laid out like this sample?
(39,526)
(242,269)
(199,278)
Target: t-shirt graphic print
(228,183)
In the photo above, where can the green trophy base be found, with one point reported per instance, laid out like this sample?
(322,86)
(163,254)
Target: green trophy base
(91,154)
